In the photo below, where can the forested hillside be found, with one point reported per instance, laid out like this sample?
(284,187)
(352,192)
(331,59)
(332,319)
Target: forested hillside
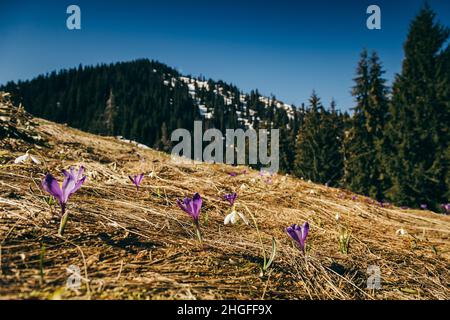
(394,147)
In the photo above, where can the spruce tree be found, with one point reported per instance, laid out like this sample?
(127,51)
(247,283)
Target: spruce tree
(318,154)
(364,140)
(417,131)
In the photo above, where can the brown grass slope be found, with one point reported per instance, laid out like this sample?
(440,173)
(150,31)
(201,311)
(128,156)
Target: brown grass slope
(142,246)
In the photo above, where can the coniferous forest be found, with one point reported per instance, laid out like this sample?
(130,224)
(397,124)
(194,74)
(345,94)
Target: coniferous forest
(393,146)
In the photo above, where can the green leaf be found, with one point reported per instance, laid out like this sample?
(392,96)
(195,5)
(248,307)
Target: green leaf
(272,256)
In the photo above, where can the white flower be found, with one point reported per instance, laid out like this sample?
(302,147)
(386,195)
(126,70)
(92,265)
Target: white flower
(401,232)
(24,158)
(234,216)
(243,186)
(337,217)
(152,174)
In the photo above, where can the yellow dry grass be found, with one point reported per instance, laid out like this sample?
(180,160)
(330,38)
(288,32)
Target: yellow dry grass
(132,245)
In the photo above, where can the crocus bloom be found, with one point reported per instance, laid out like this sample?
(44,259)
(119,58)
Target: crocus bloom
(233,174)
(446,207)
(423,206)
(299,234)
(230,197)
(136,179)
(192,207)
(73,180)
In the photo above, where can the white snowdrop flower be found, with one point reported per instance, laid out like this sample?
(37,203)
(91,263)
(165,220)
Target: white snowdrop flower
(152,174)
(337,217)
(234,217)
(21,159)
(34,159)
(401,232)
(24,158)
(243,186)
(309,181)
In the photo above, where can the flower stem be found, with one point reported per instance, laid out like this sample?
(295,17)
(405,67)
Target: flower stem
(260,239)
(197,230)
(63,222)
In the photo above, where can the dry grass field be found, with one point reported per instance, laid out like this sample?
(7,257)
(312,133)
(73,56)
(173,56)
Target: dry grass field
(140,245)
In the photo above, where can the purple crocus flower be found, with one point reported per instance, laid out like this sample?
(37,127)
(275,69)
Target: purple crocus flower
(136,179)
(192,207)
(73,180)
(230,197)
(446,207)
(299,234)
(423,206)
(233,174)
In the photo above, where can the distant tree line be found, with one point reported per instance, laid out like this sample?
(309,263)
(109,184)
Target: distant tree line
(394,147)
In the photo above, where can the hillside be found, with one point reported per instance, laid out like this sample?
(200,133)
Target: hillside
(114,98)
(140,245)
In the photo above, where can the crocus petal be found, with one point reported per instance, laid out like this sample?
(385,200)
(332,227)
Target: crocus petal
(291,232)
(305,231)
(51,185)
(231,197)
(196,205)
(78,185)
(79,174)
(299,232)
(182,206)
(68,185)
(139,179)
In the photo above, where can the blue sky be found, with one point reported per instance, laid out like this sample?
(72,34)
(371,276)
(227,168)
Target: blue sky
(285,48)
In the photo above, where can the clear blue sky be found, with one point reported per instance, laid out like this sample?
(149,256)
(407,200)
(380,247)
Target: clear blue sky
(287,48)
